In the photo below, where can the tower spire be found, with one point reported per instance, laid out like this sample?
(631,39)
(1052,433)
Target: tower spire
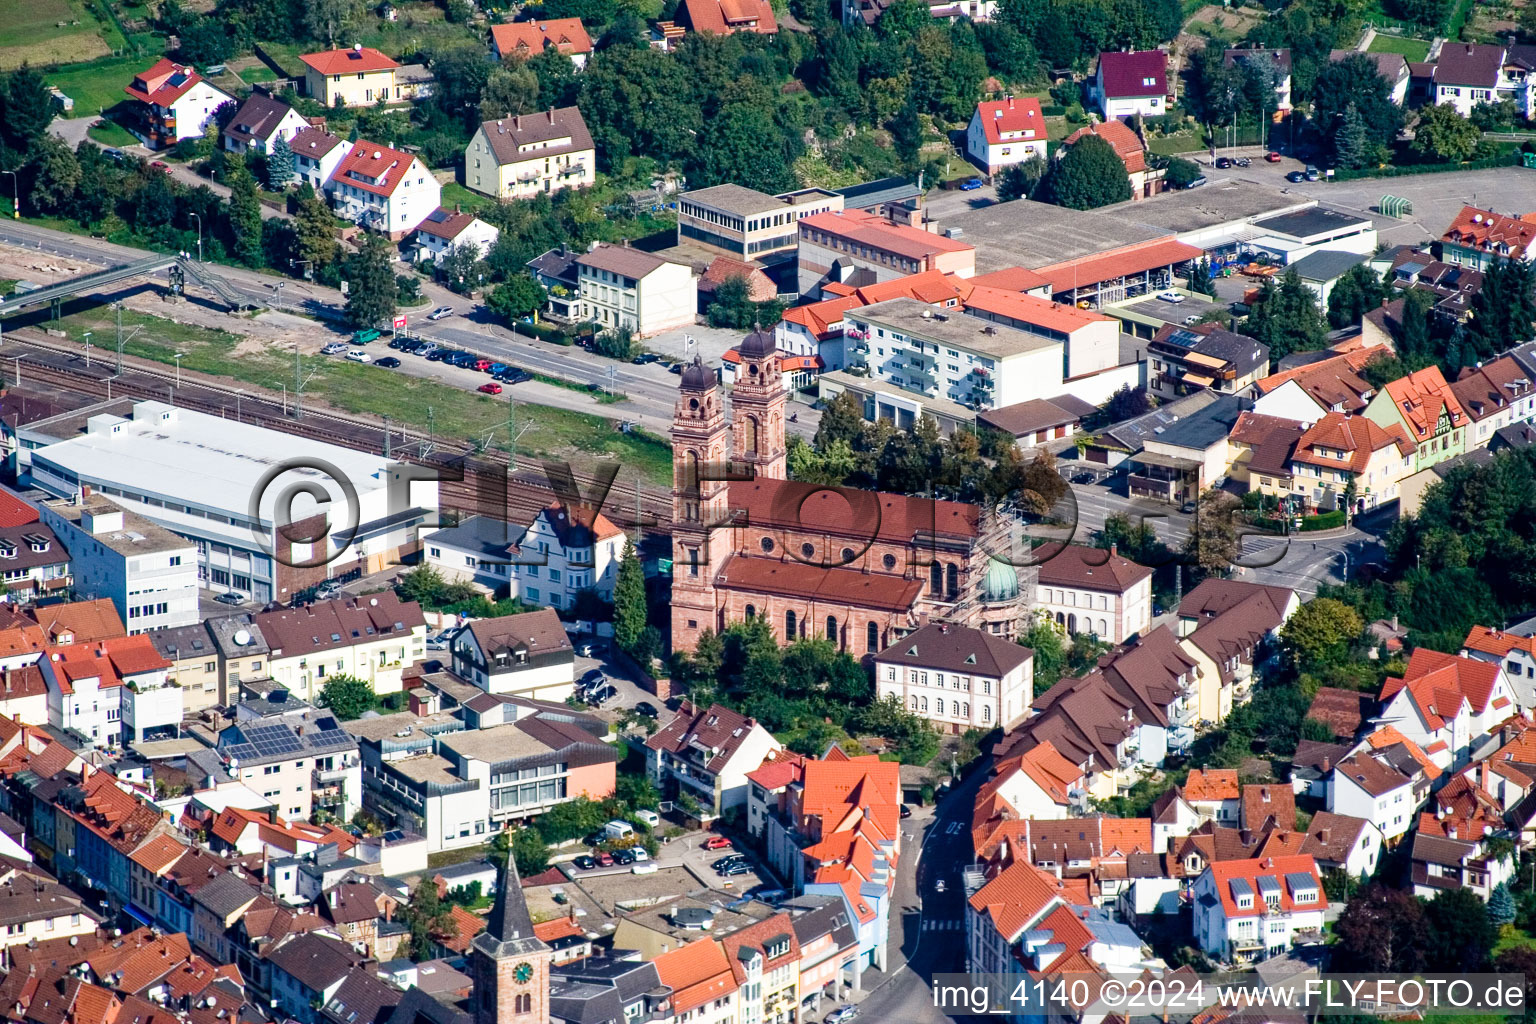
(509,920)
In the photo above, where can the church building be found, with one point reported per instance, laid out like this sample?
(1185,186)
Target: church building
(861,568)
(509,963)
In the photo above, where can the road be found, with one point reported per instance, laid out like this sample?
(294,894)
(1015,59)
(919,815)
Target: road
(651,390)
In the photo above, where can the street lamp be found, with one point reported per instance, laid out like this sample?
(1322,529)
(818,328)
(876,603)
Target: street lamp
(177,357)
(87,348)
(238,395)
(279,300)
(15,196)
(199,236)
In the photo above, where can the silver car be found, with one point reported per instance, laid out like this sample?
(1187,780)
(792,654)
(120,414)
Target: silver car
(440,313)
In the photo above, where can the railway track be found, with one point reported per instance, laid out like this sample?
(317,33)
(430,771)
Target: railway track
(469,482)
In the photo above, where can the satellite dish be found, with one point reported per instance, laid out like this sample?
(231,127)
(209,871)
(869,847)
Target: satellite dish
(243,637)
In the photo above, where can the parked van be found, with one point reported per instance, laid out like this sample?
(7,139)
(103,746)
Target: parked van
(651,818)
(617,829)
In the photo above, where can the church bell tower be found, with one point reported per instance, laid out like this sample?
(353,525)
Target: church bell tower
(757,407)
(509,963)
(701,534)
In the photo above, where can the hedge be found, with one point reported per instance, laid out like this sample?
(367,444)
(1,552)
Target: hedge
(1323,521)
(1506,160)
(541,332)
(1055,110)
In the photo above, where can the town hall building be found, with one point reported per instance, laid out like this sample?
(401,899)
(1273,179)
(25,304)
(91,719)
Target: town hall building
(861,568)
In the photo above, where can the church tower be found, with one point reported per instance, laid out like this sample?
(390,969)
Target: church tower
(509,963)
(757,407)
(701,535)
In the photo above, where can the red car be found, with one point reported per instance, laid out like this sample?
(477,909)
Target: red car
(717,843)
(158,166)
(604,858)
(1272,157)
(489,389)
(482,365)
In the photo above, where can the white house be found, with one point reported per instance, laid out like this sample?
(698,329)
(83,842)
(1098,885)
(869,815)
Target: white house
(524,155)
(1037,785)
(446,230)
(526,655)
(148,572)
(707,753)
(1131,83)
(260,122)
(1446,703)
(625,287)
(1215,795)
(383,189)
(990,679)
(1005,132)
(1280,61)
(1385,786)
(1467,74)
(316,155)
(477,549)
(1247,910)
(171,103)
(374,638)
(1343,842)
(567,549)
(88,690)
(1089,590)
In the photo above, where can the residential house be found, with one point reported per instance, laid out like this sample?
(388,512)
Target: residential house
(555,270)
(622,287)
(1233,625)
(33,561)
(307,970)
(33,910)
(1319,271)
(567,549)
(194,664)
(1342,459)
(520,40)
(1131,83)
(856,248)
(1249,910)
(1446,703)
(317,154)
(1034,422)
(1145,179)
(260,122)
(1514,652)
(765,959)
(243,653)
(1494,394)
(78,622)
(445,231)
(359,77)
(149,573)
(1090,590)
(477,549)
(818,327)
(294,755)
(1186,359)
(1340,842)
(1005,132)
(1214,794)
(524,155)
(1215,596)
(1392,67)
(1441,863)
(1189,455)
(1466,74)
(383,189)
(727,17)
(1038,784)
(1260,446)
(525,655)
(1345,712)
(707,754)
(1479,238)
(828,947)
(1384,784)
(112,692)
(171,102)
(1092,851)
(995,677)
(1274,63)
(374,638)
(704,988)
(1091,726)
(1306,393)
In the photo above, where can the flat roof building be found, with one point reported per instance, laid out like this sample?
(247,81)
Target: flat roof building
(746,223)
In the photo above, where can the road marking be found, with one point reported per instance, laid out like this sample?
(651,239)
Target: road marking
(931,925)
(954,828)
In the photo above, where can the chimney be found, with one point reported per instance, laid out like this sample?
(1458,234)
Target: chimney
(1394,622)
(1114,549)
(1482,772)
(1010,102)
(551,115)
(1327,765)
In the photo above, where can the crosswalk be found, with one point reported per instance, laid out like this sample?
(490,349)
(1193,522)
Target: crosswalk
(952,925)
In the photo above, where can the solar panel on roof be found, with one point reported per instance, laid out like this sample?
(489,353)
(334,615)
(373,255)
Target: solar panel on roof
(394,835)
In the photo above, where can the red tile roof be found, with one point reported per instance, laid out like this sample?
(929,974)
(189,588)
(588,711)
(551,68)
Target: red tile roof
(1011,120)
(724,17)
(1120,138)
(81,622)
(1010,279)
(1356,436)
(697,973)
(566,35)
(163,84)
(1018,895)
(1089,270)
(1125,75)
(841,512)
(838,586)
(1421,397)
(14,511)
(374,168)
(1490,232)
(1496,641)
(1208,785)
(359,59)
(878,233)
(1032,309)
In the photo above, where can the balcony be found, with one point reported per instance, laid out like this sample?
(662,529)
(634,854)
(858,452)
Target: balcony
(1180,737)
(1183,711)
(323,778)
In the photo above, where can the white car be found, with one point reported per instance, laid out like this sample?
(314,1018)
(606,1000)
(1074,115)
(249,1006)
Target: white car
(335,348)
(1173,297)
(357,355)
(440,313)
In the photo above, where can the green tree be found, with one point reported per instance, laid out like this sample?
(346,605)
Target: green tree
(56,175)
(28,108)
(571,820)
(347,696)
(280,165)
(1019,181)
(1501,905)
(1413,336)
(463,268)
(517,297)
(1201,280)
(1213,542)
(903,20)
(1501,311)
(1044,638)
(426,915)
(326,19)
(1355,294)
(1286,318)
(630,611)
(1181,172)
(245,215)
(1382,929)
(1127,403)
(512,89)
(1090,175)
(315,230)
(742,145)
(1352,147)
(530,851)
(371,297)
(842,420)
(1442,133)
(1356,82)
(831,466)
(639,102)
(423,584)
(907,134)
(732,306)
(1461,936)
(1320,633)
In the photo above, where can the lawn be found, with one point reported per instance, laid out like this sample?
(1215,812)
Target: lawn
(52,32)
(109,133)
(455,194)
(286,57)
(1171,145)
(1411,49)
(98,85)
(409,401)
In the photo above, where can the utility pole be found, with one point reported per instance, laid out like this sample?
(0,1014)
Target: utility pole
(119,308)
(511,435)
(386,437)
(298,385)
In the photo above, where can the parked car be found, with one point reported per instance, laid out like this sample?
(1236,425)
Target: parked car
(584,649)
(496,368)
(489,389)
(625,857)
(717,843)
(435,354)
(398,344)
(938,886)
(649,867)
(602,695)
(906,812)
(1192,319)
(1295,176)
(740,868)
(513,375)
(1313,174)
(647,709)
(1173,297)
(481,364)
(592,676)
(1196,182)
(440,313)
(113,154)
(231,597)
(638,854)
(618,828)
(364,336)
(441,641)
(1222,163)
(594,838)
(725,862)
(1272,157)
(585,863)
(159,165)
(388,362)
(357,355)
(1242,161)
(766,893)
(971,184)
(651,819)
(842,1015)
(605,858)
(335,348)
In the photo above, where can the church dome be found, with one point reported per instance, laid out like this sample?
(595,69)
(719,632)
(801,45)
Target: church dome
(757,345)
(1001,582)
(697,376)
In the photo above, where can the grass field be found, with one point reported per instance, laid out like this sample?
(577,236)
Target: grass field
(455,194)
(356,388)
(96,86)
(110,134)
(53,32)
(1411,49)
(1169,145)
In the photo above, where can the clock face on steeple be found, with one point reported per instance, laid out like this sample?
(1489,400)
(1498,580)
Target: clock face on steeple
(523,973)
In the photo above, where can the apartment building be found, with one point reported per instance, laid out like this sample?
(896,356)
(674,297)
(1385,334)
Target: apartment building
(957,677)
(33,910)
(704,988)
(765,960)
(383,189)
(707,754)
(359,77)
(294,755)
(1384,781)
(1187,359)
(151,575)
(525,155)
(1090,590)
(1341,455)
(171,102)
(112,692)
(527,655)
(1248,910)
(33,562)
(1426,410)
(629,288)
(194,664)
(1446,704)
(316,155)
(373,638)
(1494,394)
(852,247)
(746,223)
(1479,238)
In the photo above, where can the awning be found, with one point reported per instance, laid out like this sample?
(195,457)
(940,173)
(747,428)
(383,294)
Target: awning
(1147,458)
(1197,379)
(139,916)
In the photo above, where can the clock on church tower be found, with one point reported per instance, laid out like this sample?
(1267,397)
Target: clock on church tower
(510,964)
